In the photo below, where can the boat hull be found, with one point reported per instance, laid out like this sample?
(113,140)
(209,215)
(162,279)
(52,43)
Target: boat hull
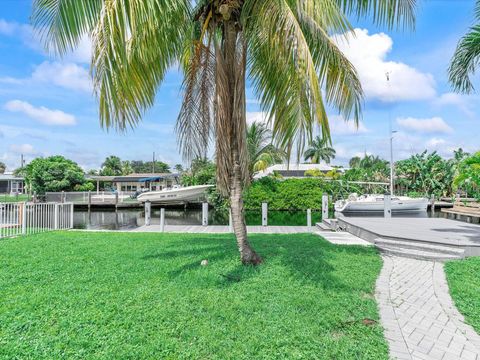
(190,194)
(398,206)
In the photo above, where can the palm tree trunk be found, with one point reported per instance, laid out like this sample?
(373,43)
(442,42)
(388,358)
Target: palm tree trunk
(232,157)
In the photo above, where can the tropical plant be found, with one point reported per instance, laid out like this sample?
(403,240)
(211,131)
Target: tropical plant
(201,172)
(127,167)
(426,174)
(261,152)
(2,167)
(313,173)
(468,176)
(285,43)
(142,167)
(319,150)
(178,168)
(54,173)
(354,162)
(466,57)
(112,166)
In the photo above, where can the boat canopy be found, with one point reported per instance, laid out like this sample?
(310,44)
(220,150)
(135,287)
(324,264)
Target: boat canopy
(151,179)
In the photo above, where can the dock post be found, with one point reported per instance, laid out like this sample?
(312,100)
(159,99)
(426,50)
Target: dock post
(162,219)
(387,210)
(205,214)
(148,212)
(116,200)
(62,197)
(89,199)
(432,203)
(264,214)
(230,221)
(34,197)
(309,217)
(324,206)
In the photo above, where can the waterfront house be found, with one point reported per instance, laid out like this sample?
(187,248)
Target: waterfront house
(137,182)
(11,184)
(295,170)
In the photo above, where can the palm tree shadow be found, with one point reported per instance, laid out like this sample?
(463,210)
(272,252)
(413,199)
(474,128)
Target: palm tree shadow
(307,257)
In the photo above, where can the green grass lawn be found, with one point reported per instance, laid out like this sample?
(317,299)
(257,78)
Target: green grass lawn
(464,282)
(13,198)
(80,295)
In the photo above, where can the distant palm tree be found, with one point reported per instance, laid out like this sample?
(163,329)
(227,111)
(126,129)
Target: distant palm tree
(112,166)
(286,44)
(127,167)
(261,152)
(2,167)
(178,168)
(319,150)
(466,57)
(354,162)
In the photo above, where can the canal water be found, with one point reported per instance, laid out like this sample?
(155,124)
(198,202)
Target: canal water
(124,219)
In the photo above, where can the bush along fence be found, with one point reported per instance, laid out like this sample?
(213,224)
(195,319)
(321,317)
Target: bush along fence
(29,218)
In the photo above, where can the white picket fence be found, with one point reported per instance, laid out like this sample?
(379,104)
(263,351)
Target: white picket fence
(31,218)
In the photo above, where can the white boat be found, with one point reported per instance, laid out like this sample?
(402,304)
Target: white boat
(175,195)
(375,203)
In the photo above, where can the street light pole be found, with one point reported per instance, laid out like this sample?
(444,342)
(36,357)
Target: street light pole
(391,162)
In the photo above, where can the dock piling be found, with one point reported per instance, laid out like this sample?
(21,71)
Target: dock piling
(89,200)
(324,206)
(387,210)
(309,217)
(148,212)
(230,221)
(162,219)
(264,214)
(432,203)
(205,214)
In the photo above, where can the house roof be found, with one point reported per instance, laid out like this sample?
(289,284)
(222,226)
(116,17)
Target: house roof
(8,177)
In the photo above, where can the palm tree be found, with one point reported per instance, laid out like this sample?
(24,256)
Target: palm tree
(261,152)
(354,162)
(178,168)
(319,150)
(285,43)
(466,57)
(112,166)
(126,167)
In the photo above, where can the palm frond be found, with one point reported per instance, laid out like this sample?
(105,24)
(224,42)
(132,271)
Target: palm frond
(465,61)
(391,13)
(62,23)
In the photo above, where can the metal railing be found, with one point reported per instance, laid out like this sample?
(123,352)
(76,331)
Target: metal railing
(91,197)
(30,218)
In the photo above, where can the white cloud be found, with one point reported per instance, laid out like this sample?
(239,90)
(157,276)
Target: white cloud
(67,75)
(26,149)
(368,53)
(41,114)
(432,125)
(7,28)
(338,126)
(462,102)
(256,116)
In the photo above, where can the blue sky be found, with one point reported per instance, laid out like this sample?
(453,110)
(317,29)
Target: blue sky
(47,106)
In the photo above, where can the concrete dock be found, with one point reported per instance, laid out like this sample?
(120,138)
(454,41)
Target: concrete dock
(219,229)
(429,231)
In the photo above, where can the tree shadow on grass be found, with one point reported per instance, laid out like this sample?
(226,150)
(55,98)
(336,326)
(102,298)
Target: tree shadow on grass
(308,257)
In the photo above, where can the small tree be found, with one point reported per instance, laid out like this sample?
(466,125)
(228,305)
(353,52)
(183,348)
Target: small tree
(112,166)
(2,167)
(54,173)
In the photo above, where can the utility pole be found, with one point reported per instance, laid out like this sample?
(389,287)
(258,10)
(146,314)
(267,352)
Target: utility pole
(153,163)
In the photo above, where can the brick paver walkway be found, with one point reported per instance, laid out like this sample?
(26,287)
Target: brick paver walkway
(418,315)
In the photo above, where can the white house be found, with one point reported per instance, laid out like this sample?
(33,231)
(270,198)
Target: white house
(295,170)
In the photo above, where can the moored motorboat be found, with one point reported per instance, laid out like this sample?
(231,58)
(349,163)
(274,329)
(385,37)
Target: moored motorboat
(175,195)
(376,203)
